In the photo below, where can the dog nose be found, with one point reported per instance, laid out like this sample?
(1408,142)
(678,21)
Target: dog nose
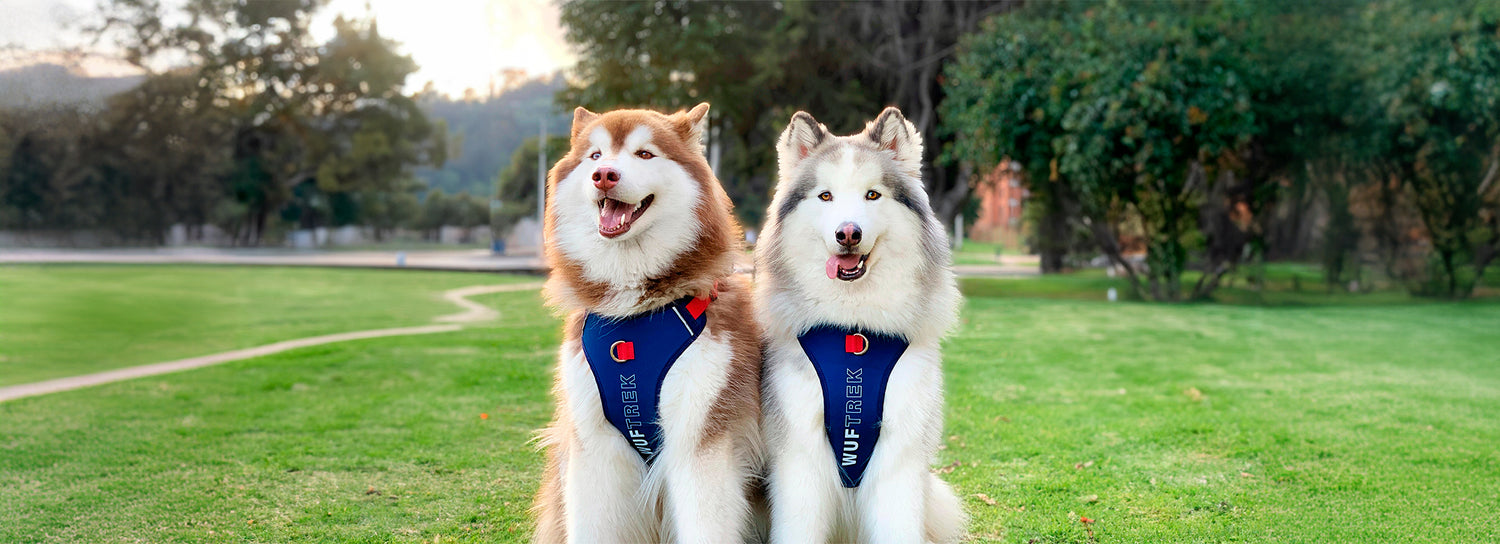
(606,178)
(847,234)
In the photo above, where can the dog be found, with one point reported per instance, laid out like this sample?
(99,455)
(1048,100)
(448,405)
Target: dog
(855,290)
(655,435)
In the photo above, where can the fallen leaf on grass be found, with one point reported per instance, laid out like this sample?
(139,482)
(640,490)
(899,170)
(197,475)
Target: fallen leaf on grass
(985,498)
(1084,465)
(1246,475)
(372,491)
(1089,499)
(1193,394)
(947,468)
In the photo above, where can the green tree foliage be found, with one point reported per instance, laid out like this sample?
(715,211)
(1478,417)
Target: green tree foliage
(43,185)
(251,110)
(1204,130)
(1430,109)
(1124,119)
(463,210)
(758,62)
(515,187)
(160,154)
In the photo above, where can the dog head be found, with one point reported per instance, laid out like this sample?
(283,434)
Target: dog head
(850,236)
(851,193)
(634,212)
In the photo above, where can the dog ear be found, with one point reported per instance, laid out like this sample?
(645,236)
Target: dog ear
(582,118)
(697,124)
(892,132)
(802,136)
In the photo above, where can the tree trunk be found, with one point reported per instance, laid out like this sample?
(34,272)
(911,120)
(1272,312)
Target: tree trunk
(1052,237)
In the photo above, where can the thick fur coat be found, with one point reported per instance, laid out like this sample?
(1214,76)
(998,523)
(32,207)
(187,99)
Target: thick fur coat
(854,207)
(679,239)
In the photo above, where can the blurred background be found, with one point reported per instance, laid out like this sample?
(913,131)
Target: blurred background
(1229,265)
(1175,143)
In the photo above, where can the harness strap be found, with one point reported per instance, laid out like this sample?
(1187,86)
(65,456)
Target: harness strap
(630,358)
(853,366)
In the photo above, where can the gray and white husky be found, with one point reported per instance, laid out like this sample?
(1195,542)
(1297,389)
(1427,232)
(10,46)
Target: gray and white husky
(852,257)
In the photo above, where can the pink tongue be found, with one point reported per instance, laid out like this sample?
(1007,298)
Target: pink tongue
(613,214)
(840,261)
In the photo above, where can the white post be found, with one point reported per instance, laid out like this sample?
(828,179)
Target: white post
(541,182)
(958,231)
(714,151)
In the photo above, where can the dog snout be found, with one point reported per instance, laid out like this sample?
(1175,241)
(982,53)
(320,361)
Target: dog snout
(606,178)
(848,234)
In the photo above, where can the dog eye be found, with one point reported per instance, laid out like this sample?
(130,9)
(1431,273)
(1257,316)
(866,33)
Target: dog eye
(825,196)
(644,154)
(595,155)
(872,195)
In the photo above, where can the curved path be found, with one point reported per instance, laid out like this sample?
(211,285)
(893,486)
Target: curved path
(473,312)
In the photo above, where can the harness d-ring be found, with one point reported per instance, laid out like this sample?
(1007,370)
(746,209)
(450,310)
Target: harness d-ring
(864,344)
(621,355)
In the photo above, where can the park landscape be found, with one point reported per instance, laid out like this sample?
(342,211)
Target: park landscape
(1301,417)
(1228,267)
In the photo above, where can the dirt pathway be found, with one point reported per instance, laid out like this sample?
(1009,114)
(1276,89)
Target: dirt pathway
(473,312)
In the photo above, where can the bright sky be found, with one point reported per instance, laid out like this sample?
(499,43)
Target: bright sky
(459,44)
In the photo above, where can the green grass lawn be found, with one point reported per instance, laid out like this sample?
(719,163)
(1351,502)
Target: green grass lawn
(1162,423)
(972,252)
(64,320)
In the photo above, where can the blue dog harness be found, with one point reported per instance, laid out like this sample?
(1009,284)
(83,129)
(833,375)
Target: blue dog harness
(853,367)
(630,358)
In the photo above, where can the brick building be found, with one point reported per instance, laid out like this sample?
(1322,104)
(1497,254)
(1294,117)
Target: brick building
(1002,199)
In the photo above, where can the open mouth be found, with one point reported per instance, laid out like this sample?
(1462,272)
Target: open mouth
(615,217)
(847,267)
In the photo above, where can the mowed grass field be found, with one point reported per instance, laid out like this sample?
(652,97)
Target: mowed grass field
(65,320)
(1185,423)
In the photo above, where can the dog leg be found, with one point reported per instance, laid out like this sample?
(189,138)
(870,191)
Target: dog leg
(890,502)
(600,487)
(706,493)
(945,518)
(803,489)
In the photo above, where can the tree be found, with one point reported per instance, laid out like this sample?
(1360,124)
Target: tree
(760,62)
(313,124)
(515,187)
(1432,108)
(47,183)
(162,152)
(1131,118)
(437,209)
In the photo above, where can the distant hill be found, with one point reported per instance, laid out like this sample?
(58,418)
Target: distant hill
(51,84)
(485,133)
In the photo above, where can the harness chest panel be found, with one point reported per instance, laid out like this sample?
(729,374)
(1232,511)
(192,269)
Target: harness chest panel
(630,358)
(853,367)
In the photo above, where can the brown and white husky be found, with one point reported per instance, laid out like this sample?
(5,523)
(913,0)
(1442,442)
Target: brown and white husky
(642,245)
